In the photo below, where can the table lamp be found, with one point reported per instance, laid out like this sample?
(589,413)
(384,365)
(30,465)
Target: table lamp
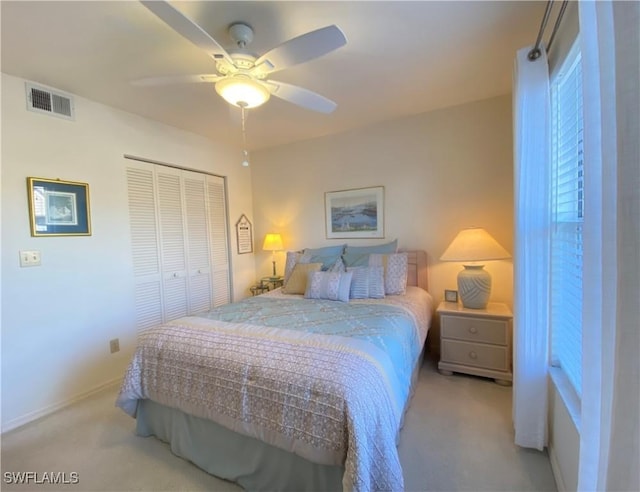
(273,243)
(474,282)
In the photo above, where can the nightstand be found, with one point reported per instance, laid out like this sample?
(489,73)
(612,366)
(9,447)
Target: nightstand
(272,282)
(258,289)
(476,341)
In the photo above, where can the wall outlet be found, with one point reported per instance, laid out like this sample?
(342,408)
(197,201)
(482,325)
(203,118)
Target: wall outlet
(114,345)
(29,258)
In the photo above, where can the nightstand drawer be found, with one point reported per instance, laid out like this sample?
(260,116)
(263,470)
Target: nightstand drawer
(493,331)
(473,354)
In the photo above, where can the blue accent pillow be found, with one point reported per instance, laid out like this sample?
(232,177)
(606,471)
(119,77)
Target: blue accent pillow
(359,255)
(327,255)
(367,282)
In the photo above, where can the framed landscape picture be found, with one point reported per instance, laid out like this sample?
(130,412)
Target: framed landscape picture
(58,208)
(357,213)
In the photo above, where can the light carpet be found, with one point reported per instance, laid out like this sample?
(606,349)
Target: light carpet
(458,435)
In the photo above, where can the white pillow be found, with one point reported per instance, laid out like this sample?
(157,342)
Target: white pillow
(293,257)
(396,270)
(333,286)
(338,266)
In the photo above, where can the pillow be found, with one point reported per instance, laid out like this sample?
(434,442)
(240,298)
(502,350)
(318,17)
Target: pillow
(333,286)
(305,257)
(359,255)
(338,266)
(293,257)
(297,281)
(367,282)
(396,269)
(327,255)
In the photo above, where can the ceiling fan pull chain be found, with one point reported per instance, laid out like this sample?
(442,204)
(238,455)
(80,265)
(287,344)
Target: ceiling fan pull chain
(245,152)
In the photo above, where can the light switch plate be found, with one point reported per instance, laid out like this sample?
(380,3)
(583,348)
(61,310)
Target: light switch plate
(29,258)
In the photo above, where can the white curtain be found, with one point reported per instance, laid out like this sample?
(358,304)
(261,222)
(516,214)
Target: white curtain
(609,432)
(532,251)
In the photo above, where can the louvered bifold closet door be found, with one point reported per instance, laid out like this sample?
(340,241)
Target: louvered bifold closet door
(217,211)
(144,246)
(199,270)
(179,242)
(172,242)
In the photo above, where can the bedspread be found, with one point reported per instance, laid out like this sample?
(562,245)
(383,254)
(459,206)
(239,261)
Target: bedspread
(326,398)
(396,324)
(326,380)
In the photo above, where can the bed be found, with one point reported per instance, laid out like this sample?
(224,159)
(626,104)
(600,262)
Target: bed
(284,392)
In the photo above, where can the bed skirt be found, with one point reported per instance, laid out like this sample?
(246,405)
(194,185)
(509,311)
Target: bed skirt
(249,462)
(252,464)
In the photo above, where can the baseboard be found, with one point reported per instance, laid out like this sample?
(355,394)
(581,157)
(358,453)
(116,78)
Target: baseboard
(49,409)
(555,468)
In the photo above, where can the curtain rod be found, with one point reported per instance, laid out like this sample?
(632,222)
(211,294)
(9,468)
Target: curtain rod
(535,53)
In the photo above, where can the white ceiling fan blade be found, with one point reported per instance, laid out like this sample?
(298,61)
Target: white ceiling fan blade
(187,28)
(176,79)
(301,97)
(301,49)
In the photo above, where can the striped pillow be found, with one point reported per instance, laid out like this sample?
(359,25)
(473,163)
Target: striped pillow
(367,282)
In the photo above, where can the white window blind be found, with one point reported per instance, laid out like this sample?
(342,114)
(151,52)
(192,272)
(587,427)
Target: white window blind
(567,209)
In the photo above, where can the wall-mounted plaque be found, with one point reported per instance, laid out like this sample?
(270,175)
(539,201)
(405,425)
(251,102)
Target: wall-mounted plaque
(244,234)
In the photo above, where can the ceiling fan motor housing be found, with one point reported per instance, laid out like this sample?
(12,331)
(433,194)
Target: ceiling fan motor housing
(241,34)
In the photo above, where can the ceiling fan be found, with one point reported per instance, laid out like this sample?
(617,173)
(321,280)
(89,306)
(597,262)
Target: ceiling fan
(242,77)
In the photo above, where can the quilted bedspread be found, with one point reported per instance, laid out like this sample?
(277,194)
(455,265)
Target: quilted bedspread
(331,398)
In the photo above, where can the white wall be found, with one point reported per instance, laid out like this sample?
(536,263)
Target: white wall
(442,171)
(57,319)
(564,441)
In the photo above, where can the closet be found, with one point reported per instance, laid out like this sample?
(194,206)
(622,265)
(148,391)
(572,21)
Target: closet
(179,241)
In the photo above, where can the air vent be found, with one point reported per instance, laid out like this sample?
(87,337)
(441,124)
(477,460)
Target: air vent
(44,100)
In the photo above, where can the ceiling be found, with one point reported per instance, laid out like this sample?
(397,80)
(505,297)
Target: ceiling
(401,58)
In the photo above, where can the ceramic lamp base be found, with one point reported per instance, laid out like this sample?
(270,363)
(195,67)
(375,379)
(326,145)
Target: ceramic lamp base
(474,286)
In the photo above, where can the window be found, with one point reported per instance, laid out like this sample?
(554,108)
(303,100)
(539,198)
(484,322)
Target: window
(567,215)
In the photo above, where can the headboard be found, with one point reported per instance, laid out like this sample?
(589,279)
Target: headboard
(418,272)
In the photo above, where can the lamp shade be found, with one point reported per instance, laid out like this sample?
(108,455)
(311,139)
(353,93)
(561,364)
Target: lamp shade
(272,242)
(474,282)
(474,244)
(241,90)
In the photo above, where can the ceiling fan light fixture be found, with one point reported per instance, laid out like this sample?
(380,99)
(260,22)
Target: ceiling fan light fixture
(241,90)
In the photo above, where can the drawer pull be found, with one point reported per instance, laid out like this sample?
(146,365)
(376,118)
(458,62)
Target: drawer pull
(473,330)
(473,355)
